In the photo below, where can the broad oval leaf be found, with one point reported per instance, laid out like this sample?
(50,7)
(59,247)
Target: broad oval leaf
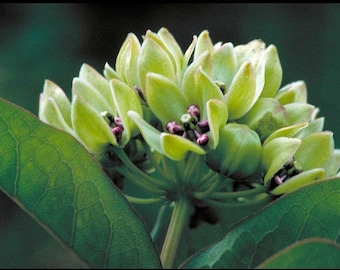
(311,211)
(59,184)
(310,253)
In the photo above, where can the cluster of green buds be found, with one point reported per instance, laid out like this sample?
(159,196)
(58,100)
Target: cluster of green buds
(212,124)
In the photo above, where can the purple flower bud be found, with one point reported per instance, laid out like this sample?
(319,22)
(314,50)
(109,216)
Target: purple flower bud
(204,126)
(174,128)
(118,131)
(118,122)
(194,111)
(203,139)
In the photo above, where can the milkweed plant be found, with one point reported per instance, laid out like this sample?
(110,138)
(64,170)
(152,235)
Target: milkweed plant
(200,132)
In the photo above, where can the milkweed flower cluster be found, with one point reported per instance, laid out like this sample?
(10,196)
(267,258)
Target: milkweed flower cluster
(212,122)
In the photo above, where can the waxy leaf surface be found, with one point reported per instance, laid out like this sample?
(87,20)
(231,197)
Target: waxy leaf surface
(311,211)
(55,180)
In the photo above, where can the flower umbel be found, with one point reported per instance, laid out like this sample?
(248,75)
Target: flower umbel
(208,128)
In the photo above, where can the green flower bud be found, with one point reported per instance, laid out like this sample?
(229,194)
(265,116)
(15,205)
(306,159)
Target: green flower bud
(298,181)
(55,107)
(251,51)
(238,153)
(90,127)
(241,94)
(299,112)
(265,117)
(126,62)
(203,44)
(153,58)
(217,104)
(333,166)
(273,71)
(173,146)
(224,62)
(291,163)
(293,92)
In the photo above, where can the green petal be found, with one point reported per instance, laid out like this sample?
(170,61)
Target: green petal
(92,95)
(177,147)
(205,90)
(153,58)
(289,132)
(238,152)
(90,126)
(50,113)
(188,52)
(242,93)
(52,90)
(251,51)
(203,44)
(316,150)
(273,72)
(276,153)
(126,63)
(224,63)
(313,126)
(299,180)
(188,83)
(299,112)
(126,99)
(110,73)
(99,82)
(293,92)
(165,98)
(334,164)
(265,117)
(150,134)
(174,49)
(217,118)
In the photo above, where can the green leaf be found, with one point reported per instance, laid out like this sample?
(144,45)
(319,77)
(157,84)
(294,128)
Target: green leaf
(310,253)
(59,184)
(311,211)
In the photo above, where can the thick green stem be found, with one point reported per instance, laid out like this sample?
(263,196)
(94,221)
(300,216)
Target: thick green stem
(179,219)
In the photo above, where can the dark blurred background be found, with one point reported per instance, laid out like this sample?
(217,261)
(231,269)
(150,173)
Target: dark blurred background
(51,41)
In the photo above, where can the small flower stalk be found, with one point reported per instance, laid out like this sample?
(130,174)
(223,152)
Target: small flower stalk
(192,127)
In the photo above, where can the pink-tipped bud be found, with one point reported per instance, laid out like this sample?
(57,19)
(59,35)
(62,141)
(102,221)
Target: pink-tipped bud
(194,111)
(174,128)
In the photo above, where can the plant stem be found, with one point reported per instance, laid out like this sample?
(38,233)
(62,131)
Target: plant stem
(179,219)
